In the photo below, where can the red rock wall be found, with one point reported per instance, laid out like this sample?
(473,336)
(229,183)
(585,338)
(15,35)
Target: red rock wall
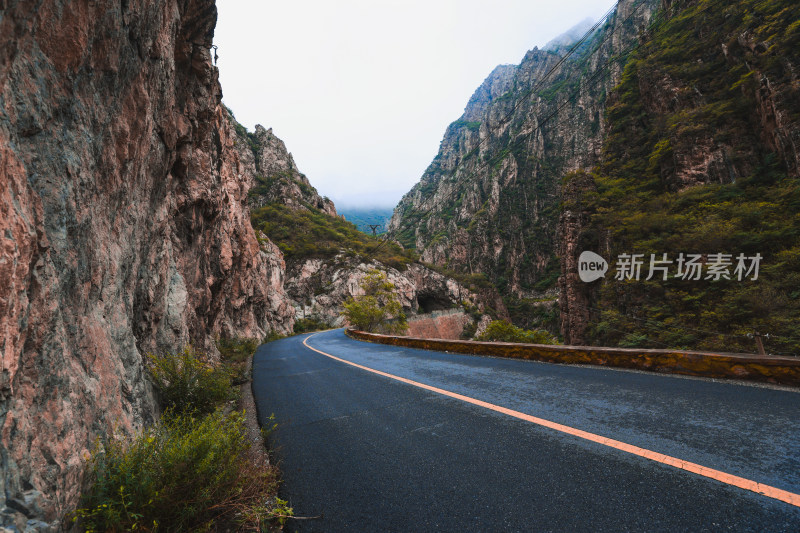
(123,227)
(438,326)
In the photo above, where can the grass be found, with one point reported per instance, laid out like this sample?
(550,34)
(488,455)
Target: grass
(310,233)
(193,470)
(309,324)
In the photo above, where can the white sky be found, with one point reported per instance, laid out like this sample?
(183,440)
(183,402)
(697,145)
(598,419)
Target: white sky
(361,91)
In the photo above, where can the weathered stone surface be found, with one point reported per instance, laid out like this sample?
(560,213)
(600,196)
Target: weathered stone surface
(318,288)
(576,297)
(124,227)
(275,175)
(439,324)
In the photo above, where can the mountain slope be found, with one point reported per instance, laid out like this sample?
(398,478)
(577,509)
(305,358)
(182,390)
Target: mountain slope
(276,176)
(701,158)
(489,201)
(327,257)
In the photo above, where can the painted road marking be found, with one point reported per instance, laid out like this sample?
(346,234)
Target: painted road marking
(729,479)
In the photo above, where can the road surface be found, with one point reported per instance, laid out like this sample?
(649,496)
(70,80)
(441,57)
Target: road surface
(369,452)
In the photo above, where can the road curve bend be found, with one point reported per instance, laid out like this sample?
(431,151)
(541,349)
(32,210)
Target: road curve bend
(381,438)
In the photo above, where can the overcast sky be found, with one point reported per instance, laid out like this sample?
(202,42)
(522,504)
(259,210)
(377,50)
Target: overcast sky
(361,91)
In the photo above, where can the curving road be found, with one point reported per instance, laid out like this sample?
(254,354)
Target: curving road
(369,452)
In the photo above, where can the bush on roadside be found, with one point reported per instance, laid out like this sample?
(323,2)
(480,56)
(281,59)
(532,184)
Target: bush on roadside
(312,323)
(377,310)
(188,382)
(181,474)
(272,336)
(235,353)
(237,349)
(503,331)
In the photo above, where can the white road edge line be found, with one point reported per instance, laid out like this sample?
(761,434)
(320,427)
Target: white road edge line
(729,479)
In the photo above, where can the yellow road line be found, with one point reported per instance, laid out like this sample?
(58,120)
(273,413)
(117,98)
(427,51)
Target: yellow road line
(747,484)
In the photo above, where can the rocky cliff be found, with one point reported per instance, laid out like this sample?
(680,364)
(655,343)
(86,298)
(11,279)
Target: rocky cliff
(700,157)
(327,257)
(274,173)
(489,200)
(124,228)
(318,288)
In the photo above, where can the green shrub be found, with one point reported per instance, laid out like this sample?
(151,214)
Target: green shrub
(189,383)
(237,349)
(235,352)
(181,474)
(308,324)
(378,309)
(503,331)
(469,330)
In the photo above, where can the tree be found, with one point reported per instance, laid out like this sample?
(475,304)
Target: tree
(378,309)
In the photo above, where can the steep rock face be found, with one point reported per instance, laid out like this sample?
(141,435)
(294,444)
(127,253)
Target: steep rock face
(276,176)
(447,324)
(124,228)
(701,158)
(489,200)
(575,296)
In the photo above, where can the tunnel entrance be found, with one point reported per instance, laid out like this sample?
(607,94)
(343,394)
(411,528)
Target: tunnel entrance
(427,303)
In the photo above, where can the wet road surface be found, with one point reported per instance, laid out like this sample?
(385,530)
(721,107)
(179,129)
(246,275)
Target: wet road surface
(371,453)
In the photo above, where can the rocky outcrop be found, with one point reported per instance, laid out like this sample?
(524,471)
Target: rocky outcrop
(275,175)
(489,200)
(576,297)
(124,228)
(318,288)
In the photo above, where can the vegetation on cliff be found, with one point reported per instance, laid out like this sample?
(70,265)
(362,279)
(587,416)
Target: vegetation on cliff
(193,469)
(307,233)
(489,202)
(378,310)
(701,158)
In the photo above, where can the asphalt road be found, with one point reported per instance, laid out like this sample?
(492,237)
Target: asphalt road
(370,453)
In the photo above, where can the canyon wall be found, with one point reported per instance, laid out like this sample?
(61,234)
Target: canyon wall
(700,158)
(317,289)
(274,173)
(489,201)
(124,228)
